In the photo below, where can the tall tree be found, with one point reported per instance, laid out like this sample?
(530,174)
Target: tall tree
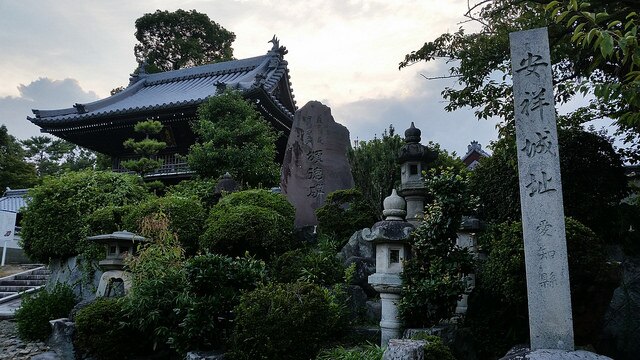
(234,138)
(54,156)
(179,39)
(14,171)
(594,50)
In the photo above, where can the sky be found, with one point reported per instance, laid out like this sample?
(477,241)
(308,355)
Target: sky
(344,53)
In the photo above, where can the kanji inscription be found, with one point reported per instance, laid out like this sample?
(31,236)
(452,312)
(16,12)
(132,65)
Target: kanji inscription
(549,300)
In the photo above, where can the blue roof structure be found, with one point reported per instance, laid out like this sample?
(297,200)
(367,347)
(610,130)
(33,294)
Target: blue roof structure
(13,200)
(180,88)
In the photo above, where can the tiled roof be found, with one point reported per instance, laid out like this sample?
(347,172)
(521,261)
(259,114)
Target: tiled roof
(13,200)
(176,89)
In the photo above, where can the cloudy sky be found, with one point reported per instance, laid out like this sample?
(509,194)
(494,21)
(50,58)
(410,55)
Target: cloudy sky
(344,53)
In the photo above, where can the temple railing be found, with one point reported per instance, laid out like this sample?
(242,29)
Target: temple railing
(172,164)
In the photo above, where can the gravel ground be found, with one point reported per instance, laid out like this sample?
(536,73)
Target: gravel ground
(11,347)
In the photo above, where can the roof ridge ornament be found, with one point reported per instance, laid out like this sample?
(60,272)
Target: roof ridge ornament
(139,73)
(276,48)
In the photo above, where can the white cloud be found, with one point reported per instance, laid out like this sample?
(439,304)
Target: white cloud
(43,93)
(344,53)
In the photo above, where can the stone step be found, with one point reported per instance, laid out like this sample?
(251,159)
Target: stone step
(14,288)
(41,272)
(22,282)
(31,277)
(3,294)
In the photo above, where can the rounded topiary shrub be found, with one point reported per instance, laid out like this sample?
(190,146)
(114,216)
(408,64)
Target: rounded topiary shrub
(262,198)
(36,311)
(285,322)
(102,331)
(235,230)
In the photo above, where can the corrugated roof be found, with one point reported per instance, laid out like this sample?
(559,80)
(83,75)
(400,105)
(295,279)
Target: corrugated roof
(175,89)
(13,200)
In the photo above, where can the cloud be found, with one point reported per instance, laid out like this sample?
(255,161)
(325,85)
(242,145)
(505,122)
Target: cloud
(43,93)
(452,130)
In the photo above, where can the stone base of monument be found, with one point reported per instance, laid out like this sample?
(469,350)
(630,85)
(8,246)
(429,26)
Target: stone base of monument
(524,353)
(405,349)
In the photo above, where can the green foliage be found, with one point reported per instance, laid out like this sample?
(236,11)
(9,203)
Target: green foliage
(158,283)
(587,162)
(200,189)
(374,167)
(234,138)
(239,229)
(433,277)
(55,156)
(593,51)
(179,39)
(500,300)
(186,218)
(256,221)
(14,171)
(262,198)
(364,352)
(214,286)
(284,321)
(103,332)
(56,222)
(147,148)
(343,213)
(36,311)
(314,264)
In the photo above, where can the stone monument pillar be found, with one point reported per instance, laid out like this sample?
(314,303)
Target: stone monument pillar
(414,158)
(390,238)
(545,246)
(315,162)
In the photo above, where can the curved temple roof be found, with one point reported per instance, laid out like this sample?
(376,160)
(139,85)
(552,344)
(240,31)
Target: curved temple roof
(184,87)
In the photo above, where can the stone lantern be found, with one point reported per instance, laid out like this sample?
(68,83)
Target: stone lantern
(115,281)
(390,238)
(414,158)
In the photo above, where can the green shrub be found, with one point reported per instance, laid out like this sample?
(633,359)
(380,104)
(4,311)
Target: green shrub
(498,308)
(102,331)
(316,264)
(433,278)
(285,322)
(262,198)
(35,312)
(186,218)
(158,283)
(235,230)
(364,352)
(214,285)
(345,212)
(56,222)
(200,189)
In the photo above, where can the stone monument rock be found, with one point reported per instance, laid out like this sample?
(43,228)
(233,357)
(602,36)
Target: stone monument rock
(315,162)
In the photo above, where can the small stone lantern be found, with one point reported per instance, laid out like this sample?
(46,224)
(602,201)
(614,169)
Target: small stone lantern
(414,158)
(390,238)
(115,281)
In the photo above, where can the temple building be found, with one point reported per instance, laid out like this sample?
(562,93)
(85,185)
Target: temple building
(173,98)
(474,154)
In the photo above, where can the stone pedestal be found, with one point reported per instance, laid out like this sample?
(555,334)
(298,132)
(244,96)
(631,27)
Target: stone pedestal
(390,325)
